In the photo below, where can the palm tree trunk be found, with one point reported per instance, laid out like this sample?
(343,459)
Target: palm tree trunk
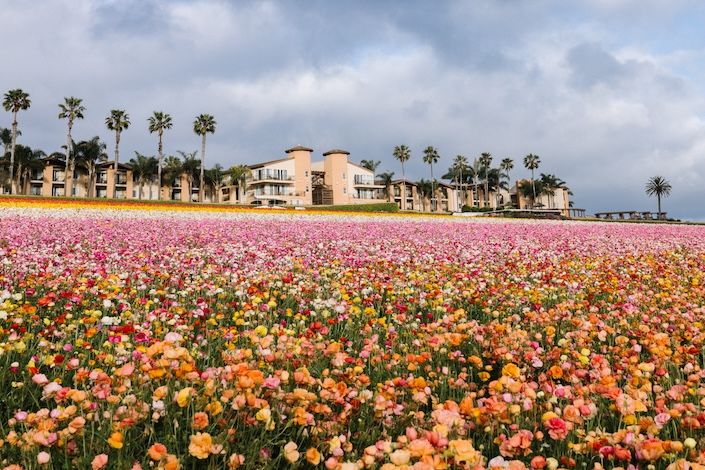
(533,189)
(12,151)
(141,188)
(159,169)
(433,191)
(115,165)
(658,199)
(91,181)
(68,181)
(201,187)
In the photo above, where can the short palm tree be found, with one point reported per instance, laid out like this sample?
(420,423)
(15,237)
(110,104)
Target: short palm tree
(430,156)
(532,162)
(88,154)
(386,178)
(6,140)
(214,180)
(202,125)
(143,170)
(173,168)
(660,187)
(117,122)
(191,167)
(238,177)
(15,101)
(159,122)
(425,189)
(371,165)
(71,109)
(403,154)
(26,161)
(505,166)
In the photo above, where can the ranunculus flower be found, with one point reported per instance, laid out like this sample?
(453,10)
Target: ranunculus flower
(99,461)
(291,454)
(157,451)
(200,445)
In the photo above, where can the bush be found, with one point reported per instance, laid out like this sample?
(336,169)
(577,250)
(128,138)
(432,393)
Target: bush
(379,207)
(476,209)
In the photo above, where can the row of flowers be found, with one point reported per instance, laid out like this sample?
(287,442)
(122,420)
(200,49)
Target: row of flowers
(260,342)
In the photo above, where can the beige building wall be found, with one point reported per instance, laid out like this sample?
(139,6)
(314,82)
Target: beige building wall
(335,165)
(302,175)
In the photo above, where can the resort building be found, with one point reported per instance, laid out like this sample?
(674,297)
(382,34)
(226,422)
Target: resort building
(292,180)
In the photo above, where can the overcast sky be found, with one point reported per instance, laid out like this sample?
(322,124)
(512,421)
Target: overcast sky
(606,92)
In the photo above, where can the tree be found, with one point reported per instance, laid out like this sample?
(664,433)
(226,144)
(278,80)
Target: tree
(117,122)
(425,189)
(532,162)
(529,188)
(238,176)
(88,154)
(202,125)
(15,101)
(71,109)
(214,179)
(6,140)
(386,178)
(173,168)
(486,161)
(505,166)
(459,169)
(430,156)
(26,162)
(143,170)
(660,187)
(191,167)
(370,164)
(159,122)
(403,154)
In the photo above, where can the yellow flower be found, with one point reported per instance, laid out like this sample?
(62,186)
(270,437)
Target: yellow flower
(115,440)
(511,370)
(200,445)
(183,396)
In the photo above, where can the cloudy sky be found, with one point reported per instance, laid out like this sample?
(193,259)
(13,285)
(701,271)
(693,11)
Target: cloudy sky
(607,92)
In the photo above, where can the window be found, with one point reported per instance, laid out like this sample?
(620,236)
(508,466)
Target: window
(36,190)
(58,175)
(306,174)
(102,177)
(345,190)
(57,191)
(119,193)
(101,192)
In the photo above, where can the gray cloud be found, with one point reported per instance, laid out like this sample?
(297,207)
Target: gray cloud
(583,84)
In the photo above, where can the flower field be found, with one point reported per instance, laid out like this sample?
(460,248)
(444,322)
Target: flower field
(258,340)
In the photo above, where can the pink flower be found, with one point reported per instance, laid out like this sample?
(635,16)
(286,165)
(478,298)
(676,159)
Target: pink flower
(557,428)
(99,461)
(43,458)
(40,379)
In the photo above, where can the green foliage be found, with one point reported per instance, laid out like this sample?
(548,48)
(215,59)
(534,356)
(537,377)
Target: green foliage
(378,207)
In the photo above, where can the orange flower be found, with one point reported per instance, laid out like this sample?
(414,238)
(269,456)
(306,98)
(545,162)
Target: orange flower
(313,456)
(200,445)
(157,451)
(200,420)
(651,449)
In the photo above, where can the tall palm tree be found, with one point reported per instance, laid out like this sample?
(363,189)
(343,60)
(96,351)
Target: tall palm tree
(532,162)
(505,166)
(403,154)
(430,156)
(143,169)
(238,177)
(191,167)
(88,154)
(660,187)
(371,165)
(202,125)
(71,109)
(118,121)
(15,101)
(460,168)
(486,161)
(159,122)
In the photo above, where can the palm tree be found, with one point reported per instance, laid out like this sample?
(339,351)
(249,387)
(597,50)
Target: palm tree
(506,166)
(214,179)
(191,167)
(71,109)
(6,139)
(14,102)
(658,186)
(238,176)
(460,168)
(486,161)
(202,125)
(529,188)
(532,162)
(173,168)
(26,161)
(425,189)
(143,169)
(370,165)
(118,121)
(159,122)
(430,156)
(88,154)
(403,154)
(386,178)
